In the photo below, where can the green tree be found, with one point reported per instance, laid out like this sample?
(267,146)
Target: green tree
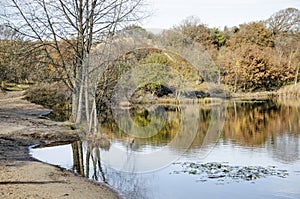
(218,38)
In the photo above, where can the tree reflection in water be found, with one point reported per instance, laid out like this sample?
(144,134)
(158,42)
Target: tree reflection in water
(87,156)
(270,124)
(274,125)
(247,123)
(90,152)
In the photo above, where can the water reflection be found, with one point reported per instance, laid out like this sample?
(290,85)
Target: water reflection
(247,124)
(87,162)
(260,133)
(286,148)
(87,153)
(266,123)
(254,123)
(200,118)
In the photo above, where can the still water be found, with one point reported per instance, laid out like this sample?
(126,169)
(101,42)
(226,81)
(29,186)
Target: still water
(237,149)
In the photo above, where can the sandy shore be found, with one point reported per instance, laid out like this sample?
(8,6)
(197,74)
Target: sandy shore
(21,176)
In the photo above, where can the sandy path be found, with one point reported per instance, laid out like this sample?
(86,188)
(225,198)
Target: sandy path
(23,177)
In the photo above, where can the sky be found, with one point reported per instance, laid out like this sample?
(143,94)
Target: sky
(214,13)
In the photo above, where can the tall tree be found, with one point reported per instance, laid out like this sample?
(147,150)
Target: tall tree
(252,33)
(79,24)
(288,49)
(284,21)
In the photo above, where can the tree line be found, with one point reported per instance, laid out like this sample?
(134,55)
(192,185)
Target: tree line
(51,40)
(256,56)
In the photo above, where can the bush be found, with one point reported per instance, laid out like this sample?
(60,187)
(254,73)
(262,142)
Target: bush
(55,96)
(157,58)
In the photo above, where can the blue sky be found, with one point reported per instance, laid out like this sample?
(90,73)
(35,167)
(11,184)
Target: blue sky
(214,13)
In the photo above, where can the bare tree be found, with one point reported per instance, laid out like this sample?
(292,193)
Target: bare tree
(73,27)
(284,21)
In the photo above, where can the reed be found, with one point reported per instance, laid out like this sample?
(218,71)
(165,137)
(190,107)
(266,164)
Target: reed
(290,91)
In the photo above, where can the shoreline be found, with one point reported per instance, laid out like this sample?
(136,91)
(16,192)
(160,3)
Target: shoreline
(204,100)
(21,175)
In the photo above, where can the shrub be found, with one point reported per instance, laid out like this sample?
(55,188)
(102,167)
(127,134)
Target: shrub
(54,96)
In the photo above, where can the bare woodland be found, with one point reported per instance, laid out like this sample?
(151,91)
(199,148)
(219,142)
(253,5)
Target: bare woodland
(57,28)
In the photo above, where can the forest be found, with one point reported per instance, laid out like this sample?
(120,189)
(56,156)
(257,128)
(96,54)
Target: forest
(257,56)
(253,57)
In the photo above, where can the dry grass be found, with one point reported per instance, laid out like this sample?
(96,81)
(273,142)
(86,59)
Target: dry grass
(256,95)
(13,87)
(55,96)
(290,91)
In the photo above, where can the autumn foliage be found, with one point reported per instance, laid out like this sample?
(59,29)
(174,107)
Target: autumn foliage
(257,56)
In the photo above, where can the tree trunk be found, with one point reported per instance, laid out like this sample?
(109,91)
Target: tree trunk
(79,103)
(297,73)
(95,116)
(86,94)
(78,157)
(87,161)
(74,105)
(235,82)
(77,97)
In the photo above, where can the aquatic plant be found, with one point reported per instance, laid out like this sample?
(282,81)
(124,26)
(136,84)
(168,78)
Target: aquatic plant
(223,172)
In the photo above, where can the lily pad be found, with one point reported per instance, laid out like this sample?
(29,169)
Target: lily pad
(217,171)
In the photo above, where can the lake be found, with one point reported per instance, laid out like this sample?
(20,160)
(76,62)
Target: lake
(223,149)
